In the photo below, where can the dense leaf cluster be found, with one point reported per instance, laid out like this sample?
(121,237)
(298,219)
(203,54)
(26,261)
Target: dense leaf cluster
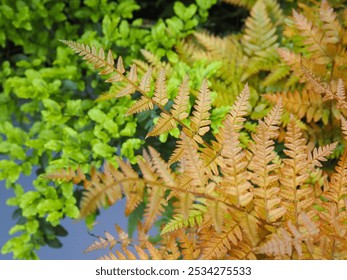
(221,186)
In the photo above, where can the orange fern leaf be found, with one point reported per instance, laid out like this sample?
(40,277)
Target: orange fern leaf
(181,102)
(164,124)
(160,93)
(200,119)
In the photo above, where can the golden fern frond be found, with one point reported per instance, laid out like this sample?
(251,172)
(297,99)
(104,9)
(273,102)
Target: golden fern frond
(145,84)
(127,90)
(306,104)
(132,186)
(69,175)
(297,197)
(250,227)
(301,239)
(108,257)
(260,34)
(156,200)
(293,60)
(273,119)
(340,95)
(215,47)
(147,168)
(154,207)
(92,55)
(200,119)
(102,243)
(154,252)
(337,187)
(188,245)
(193,163)
(178,152)
(212,155)
(235,180)
(155,61)
(181,101)
(320,154)
(319,85)
(212,158)
(243,251)
(107,187)
(132,75)
(219,244)
(115,78)
(170,249)
(331,26)
(141,105)
(184,204)
(239,110)
(165,123)
(333,221)
(296,148)
(344,127)
(162,168)
(107,65)
(216,214)
(266,198)
(319,34)
(160,93)
(314,38)
(145,252)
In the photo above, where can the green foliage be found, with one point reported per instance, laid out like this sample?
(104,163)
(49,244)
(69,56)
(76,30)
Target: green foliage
(50,119)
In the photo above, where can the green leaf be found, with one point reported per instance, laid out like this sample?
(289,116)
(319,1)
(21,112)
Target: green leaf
(54,218)
(175,25)
(27,198)
(12,201)
(49,205)
(124,29)
(111,126)
(9,171)
(71,210)
(16,229)
(60,231)
(74,108)
(97,115)
(185,13)
(54,243)
(26,168)
(54,145)
(129,129)
(172,56)
(103,150)
(129,147)
(206,4)
(49,191)
(32,226)
(67,189)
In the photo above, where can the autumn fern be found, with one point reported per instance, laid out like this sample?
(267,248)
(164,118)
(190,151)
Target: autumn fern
(230,200)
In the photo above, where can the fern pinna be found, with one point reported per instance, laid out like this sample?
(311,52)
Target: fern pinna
(230,201)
